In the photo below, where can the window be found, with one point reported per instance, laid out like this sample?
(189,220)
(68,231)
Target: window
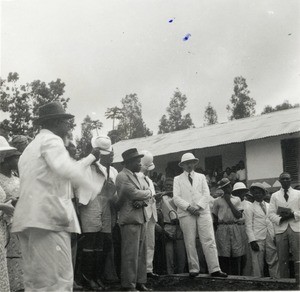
(290,156)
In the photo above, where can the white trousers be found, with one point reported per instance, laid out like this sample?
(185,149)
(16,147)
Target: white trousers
(202,224)
(47,260)
(150,243)
(267,251)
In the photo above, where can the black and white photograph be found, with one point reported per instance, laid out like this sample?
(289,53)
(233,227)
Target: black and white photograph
(149,145)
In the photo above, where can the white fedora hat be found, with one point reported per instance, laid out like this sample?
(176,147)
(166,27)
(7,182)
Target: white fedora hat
(188,157)
(103,142)
(147,160)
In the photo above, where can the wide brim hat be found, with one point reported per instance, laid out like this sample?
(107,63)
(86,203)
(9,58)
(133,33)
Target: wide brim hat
(104,143)
(50,111)
(258,185)
(130,154)
(223,182)
(239,186)
(4,146)
(188,157)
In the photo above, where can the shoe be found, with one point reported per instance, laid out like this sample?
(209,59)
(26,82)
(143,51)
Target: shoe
(152,275)
(142,287)
(101,284)
(129,289)
(219,274)
(193,274)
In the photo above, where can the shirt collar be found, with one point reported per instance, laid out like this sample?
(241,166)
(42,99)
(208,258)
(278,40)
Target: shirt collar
(187,173)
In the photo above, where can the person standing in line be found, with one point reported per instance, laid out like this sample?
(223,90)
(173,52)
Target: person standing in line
(284,212)
(261,235)
(132,220)
(191,196)
(46,173)
(146,166)
(227,214)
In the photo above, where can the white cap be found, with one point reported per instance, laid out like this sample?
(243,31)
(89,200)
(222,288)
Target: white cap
(239,186)
(103,142)
(147,160)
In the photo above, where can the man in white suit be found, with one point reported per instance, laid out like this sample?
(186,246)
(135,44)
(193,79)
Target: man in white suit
(146,182)
(284,212)
(191,196)
(260,232)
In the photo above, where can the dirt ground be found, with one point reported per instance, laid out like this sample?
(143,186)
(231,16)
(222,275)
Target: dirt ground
(204,283)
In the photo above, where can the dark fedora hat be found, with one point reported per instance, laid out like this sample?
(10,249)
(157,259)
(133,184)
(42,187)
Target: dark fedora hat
(130,154)
(52,110)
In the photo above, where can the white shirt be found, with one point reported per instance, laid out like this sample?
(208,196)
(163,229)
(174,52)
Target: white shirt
(241,174)
(257,222)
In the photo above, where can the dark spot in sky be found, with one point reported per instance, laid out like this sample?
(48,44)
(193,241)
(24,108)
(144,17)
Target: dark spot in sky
(171,20)
(186,37)
(290,34)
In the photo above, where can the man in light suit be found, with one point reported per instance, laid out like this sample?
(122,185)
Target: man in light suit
(132,220)
(45,216)
(146,182)
(261,235)
(191,196)
(284,212)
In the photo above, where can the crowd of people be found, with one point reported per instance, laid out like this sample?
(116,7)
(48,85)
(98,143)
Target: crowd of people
(67,223)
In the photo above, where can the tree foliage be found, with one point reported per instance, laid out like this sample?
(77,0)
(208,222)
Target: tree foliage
(210,115)
(242,106)
(84,143)
(131,124)
(114,113)
(283,106)
(22,102)
(175,120)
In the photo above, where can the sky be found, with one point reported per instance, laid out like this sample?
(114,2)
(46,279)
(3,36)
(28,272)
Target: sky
(105,49)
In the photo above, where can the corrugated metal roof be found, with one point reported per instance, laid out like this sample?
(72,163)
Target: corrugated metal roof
(257,127)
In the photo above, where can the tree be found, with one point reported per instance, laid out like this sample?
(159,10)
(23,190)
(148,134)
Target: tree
(84,143)
(285,105)
(210,115)
(131,124)
(243,106)
(174,120)
(22,102)
(113,113)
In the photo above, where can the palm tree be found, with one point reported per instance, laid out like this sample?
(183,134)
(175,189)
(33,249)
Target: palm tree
(114,113)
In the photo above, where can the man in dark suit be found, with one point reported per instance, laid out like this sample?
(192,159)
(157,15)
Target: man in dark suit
(132,220)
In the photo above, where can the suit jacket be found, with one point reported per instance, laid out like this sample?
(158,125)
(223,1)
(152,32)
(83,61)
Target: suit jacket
(130,190)
(257,222)
(147,183)
(185,194)
(46,172)
(278,200)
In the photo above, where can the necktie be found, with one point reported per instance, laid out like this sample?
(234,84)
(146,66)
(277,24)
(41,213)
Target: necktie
(263,207)
(286,196)
(147,181)
(190,179)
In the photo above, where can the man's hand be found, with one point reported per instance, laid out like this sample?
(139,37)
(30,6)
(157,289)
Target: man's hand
(193,211)
(96,153)
(254,245)
(286,216)
(139,204)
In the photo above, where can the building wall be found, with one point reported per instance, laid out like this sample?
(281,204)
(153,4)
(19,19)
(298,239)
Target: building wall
(231,155)
(264,158)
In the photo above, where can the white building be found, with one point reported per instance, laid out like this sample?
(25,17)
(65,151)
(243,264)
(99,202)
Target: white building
(268,144)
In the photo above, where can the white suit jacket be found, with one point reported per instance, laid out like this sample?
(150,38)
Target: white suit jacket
(151,208)
(257,222)
(46,172)
(277,199)
(185,194)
